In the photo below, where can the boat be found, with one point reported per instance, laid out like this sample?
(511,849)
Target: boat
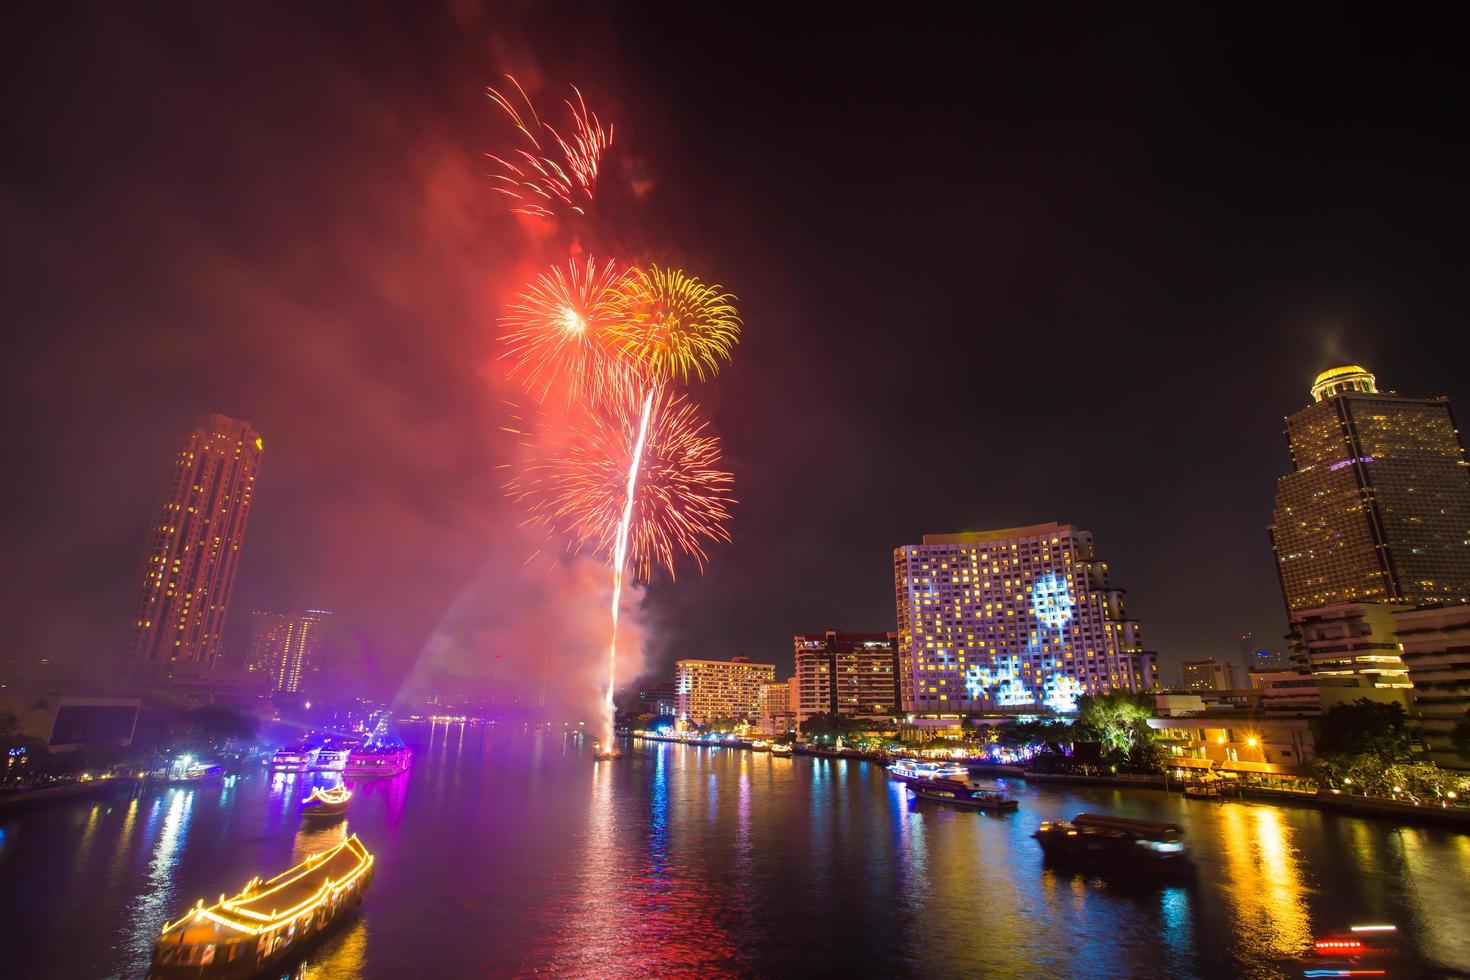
(268,921)
(781,748)
(1202,791)
(914,770)
(1107,843)
(963,793)
(760,745)
(605,753)
(295,758)
(326,804)
(380,759)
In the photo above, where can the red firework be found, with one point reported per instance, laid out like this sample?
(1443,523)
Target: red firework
(551,173)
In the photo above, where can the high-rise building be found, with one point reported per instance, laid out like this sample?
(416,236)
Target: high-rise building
(711,689)
(852,674)
(1378,507)
(1209,675)
(1015,618)
(286,647)
(194,546)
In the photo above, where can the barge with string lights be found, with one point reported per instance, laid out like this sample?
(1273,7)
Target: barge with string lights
(326,804)
(963,793)
(914,770)
(1102,842)
(381,758)
(268,922)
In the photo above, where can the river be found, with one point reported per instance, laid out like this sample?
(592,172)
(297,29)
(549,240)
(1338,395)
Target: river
(508,852)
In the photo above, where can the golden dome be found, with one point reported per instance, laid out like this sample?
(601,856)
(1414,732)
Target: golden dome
(1348,377)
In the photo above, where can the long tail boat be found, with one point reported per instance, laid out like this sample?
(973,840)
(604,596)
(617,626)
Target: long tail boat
(326,804)
(268,921)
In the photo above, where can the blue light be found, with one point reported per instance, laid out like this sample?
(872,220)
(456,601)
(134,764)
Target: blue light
(1060,692)
(1051,600)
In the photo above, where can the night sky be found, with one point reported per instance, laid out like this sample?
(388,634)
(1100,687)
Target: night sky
(994,271)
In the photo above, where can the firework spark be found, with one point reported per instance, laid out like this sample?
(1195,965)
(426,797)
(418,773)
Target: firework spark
(676,325)
(540,185)
(567,329)
(680,498)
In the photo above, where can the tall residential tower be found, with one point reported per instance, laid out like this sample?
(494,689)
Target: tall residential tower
(1378,507)
(194,546)
(286,647)
(1014,618)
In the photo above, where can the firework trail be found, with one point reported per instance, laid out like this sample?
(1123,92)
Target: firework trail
(538,184)
(620,561)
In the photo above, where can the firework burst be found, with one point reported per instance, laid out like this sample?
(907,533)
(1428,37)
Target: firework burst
(566,330)
(676,325)
(550,173)
(682,499)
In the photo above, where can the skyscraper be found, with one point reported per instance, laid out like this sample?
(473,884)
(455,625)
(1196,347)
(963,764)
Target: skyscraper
(1018,617)
(851,674)
(1378,507)
(194,546)
(286,647)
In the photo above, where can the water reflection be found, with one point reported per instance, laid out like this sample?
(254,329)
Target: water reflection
(160,896)
(1264,888)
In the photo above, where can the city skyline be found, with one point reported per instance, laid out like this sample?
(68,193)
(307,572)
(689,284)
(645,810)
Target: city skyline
(365,360)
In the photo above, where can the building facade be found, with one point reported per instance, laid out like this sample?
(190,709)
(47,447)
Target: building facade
(774,709)
(193,547)
(1208,675)
(852,674)
(1350,639)
(1435,643)
(719,689)
(661,698)
(1016,618)
(286,647)
(1378,506)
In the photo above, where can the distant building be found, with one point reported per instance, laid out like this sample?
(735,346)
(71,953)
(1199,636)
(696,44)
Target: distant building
(1378,506)
(661,698)
(286,647)
(193,548)
(1209,675)
(1019,618)
(1351,638)
(711,689)
(852,674)
(774,709)
(1435,642)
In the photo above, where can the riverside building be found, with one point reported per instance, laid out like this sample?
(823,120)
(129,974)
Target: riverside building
(193,547)
(286,647)
(1017,618)
(851,674)
(719,689)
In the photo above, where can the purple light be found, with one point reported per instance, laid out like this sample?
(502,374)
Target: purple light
(1349,462)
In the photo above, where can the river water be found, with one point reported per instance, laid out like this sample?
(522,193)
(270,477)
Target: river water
(507,852)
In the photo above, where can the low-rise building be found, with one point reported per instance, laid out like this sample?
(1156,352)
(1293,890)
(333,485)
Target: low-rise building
(1350,639)
(1435,642)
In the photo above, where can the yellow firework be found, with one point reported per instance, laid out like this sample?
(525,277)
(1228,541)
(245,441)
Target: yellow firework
(676,325)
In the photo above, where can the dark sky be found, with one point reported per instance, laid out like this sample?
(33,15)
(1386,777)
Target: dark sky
(994,270)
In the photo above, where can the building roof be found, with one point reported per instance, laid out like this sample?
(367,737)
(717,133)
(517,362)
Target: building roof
(1050,528)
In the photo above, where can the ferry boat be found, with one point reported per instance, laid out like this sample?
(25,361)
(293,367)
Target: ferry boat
(326,804)
(914,770)
(1106,843)
(780,748)
(268,921)
(963,793)
(760,745)
(294,758)
(377,760)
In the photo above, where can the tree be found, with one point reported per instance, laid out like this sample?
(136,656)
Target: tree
(1117,719)
(1365,727)
(215,725)
(830,725)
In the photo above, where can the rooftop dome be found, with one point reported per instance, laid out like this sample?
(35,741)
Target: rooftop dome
(1349,377)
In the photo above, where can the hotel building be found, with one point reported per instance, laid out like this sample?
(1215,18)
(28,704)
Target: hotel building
(193,548)
(287,647)
(1016,618)
(852,674)
(773,707)
(1378,506)
(710,689)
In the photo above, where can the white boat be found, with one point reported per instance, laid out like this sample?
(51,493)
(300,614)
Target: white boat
(780,748)
(330,760)
(913,770)
(296,758)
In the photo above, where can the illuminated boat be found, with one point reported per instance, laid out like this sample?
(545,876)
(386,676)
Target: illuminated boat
(295,758)
(780,748)
(760,745)
(326,804)
(913,770)
(377,760)
(331,759)
(1106,843)
(268,921)
(962,793)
